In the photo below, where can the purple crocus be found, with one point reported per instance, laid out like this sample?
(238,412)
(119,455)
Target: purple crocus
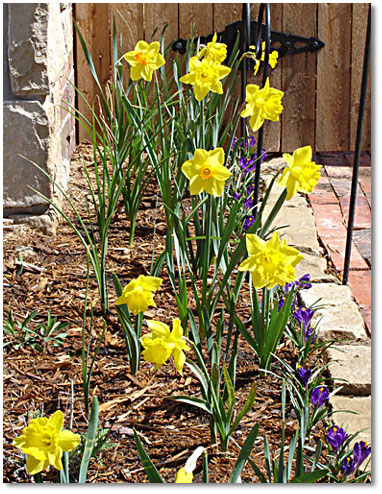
(347,465)
(361,451)
(234,141)
(250,142)
(336,437)
(250,188)
(288,286)
(247,164)
(308,332)
(303,375)
(303,316)
(320,396)
(236,195)
(249,202)
(282,302)
(248,222)
(304,282)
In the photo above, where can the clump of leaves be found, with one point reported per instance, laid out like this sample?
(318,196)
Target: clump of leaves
(20,334)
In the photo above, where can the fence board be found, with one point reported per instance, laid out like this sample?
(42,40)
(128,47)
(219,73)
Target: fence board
(89,17)
(321,89)
(333,77)
(299,79)
(199,14)
(359,25)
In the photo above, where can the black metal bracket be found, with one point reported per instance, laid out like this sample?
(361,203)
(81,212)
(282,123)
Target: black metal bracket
(284,44)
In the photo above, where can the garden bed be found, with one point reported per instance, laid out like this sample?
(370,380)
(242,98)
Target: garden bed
(51,276)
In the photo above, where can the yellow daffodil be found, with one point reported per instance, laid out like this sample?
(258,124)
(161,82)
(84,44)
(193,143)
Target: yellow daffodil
(205,76)
(185,475)
(138,293)
(44,441)
(216,52)
(301,174)
(271,263)
(161,343)
(272,61)
(206,171)
(144,59)
(262,104)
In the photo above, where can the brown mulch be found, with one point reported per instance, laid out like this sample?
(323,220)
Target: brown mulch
(54,278)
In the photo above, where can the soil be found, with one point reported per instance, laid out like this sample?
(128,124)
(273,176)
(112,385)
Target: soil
(53,278)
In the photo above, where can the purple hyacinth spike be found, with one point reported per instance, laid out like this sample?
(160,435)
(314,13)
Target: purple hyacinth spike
(336,437)
(303,375)
(361,451)
(303,316)
(248,222)
(320,396)
(347,466)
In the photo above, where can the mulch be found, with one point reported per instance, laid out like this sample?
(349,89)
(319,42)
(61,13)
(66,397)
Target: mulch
(54,278)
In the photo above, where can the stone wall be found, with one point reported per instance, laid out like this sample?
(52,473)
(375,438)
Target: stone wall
(38,65)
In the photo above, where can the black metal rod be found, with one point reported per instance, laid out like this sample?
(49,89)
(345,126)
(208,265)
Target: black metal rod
(260,136)
(357,153)
(245,39)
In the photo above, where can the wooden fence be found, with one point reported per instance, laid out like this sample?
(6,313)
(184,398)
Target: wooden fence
(322,89)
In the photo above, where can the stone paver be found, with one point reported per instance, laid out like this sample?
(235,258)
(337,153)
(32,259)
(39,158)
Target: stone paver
(352,423)
(342,322)
(362,239)
(351,364)
(330,294)
(315,266)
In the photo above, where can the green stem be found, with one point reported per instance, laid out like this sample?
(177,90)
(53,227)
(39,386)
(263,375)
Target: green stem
(37,478)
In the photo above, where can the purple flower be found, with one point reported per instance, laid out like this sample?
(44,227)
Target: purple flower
(263,156)
(248,222)
(304,282)
(303,316)
(361,451)
(347,465)
(336,436)
(247,164)
(249,202)
(281,302)
(250,142)
(234,141)
(250,189)
(236,195)
(308,332)
(303,375)
(320,396)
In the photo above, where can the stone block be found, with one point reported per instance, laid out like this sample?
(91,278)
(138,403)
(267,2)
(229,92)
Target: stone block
(315,266)
(359,421)
(352,364)
(331,294)
(26,133)
(27,48)
(300,230)
(340,322)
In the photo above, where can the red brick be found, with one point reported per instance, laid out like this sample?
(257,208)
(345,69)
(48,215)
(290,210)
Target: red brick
(360,285)
(322,196)
(332,232)
(366,315)
(362,217)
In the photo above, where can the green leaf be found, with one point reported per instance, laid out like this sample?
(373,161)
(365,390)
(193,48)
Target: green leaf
(191,400)
(90,441)
(244,454)
(150,469)
(310,477)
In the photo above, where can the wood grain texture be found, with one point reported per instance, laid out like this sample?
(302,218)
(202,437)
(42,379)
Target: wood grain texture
(333,77)
(299,79)
(90,16)
(199,14)
(359,25)
(322,89)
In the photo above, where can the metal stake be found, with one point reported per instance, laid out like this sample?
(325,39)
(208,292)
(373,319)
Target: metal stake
(357,152)
(245,39)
